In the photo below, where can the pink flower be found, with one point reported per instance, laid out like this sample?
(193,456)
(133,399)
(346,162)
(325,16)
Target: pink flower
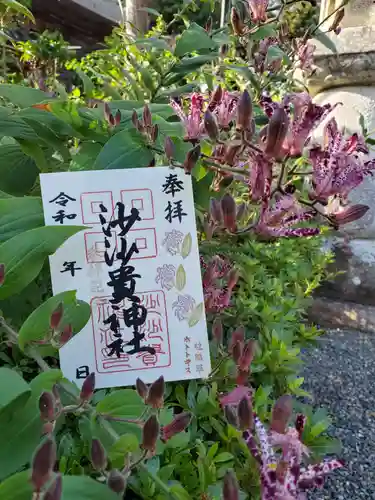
(234,397)
(218,284)
(305,55)
(225,110)
(178,424)
(260,57)
(193,121)
(258,9)
(338,168)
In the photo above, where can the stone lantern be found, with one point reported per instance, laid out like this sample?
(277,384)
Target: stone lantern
(348,77)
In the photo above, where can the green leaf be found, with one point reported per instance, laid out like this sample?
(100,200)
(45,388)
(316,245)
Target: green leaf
(193,39)
(58,126)
(195,316)
(150,11)
(18,487)
(180,278)
(153,42)
(88,86)
(14,391)
(19,8)
(127,443)
(18,215)
(14,126)
(23,430)
(121,403)
(190,64)
(325,40)
(22,96)
(86,156)
(264,32)
(274,53)
(186,246)
(24,255)
(32,148)
(127,149)
(223,457)
(37,326)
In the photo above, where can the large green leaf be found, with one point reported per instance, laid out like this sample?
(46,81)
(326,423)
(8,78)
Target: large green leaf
(14,391)
(12,125)
(18,172)
(121,403)
(193,39)
(18,215)
(85,157)
(24,255)
(189,64)
(21,433)
(325,40)
(127,149)
(18,487)
(37,326)
(58,126)
(19,8)
(22,96)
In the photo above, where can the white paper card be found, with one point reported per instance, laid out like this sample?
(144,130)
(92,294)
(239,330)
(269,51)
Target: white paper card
(137,265)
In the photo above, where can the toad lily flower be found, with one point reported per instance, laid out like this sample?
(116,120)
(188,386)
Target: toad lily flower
(282,475)
(258,9)
(305,56)
(338,168)
(225,109)
(276,221)
(193,121)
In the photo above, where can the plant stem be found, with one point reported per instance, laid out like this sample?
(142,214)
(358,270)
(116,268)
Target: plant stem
(157,480)
(329,15)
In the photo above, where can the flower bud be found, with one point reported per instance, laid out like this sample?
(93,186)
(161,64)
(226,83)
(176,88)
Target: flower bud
(244,111)
(191,159)
(56,316)
(223,50)
(118,118)
(245,414)
(54,492)
(116,482)
(216,212)
(236,351)
(48,428)
(98,455)
(233,276)
(147,117)
(217,330)
(178,424)
(211,126)
(276,132)
(141,388)
(337,18)
(43,463)
(230,415)
(281,414)
(150,433)
(230,487)
(228,206)
(88,387)
(154,132)
(169,148)
(135,120)
(236,22)
(47,406)
(238,335)
(247,356)
(66,334)
(2,274)
(155,396)
(215,98)
(300,424)
(242,376)
(108,115)
(350,214)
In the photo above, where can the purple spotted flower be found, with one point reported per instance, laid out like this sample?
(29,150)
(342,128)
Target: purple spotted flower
(258,9)
(193,121)
(305,55)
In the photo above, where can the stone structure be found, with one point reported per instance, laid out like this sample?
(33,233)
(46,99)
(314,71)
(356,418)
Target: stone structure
(348,76)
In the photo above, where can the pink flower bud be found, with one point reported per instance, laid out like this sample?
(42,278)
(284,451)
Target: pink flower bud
(230,487)
(217,330)
(66,334)
(247,356)
(228,207)
(147,117)
(215,98)
(154,132)
(48,428)
(236,351)
(337,18)
(155,396)
(88,387)
(178,424)
(276,132)
(118,118)
(141,388)
(108,115)
(98,455)
(211,126)
(236,22)
(47,406)
(192,158)
(350,214)
(244,111)
(135,120)
(216,212)
(245,414)
(237,336)
(116,482)
(56,316)
(54,492)
(232,279)
(281,414)
(300,424)
(2,274)
(242,376)
(43,463)
(169,148)
(150,434)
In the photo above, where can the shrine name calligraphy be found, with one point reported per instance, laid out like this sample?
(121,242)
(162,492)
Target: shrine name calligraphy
(123,282)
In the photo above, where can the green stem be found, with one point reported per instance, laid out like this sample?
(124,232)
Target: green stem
(161,484)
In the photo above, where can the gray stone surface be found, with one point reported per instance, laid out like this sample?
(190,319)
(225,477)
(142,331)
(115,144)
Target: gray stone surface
(340,374)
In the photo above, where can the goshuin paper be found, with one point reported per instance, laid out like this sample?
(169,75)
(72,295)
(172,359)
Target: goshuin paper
(137,264)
